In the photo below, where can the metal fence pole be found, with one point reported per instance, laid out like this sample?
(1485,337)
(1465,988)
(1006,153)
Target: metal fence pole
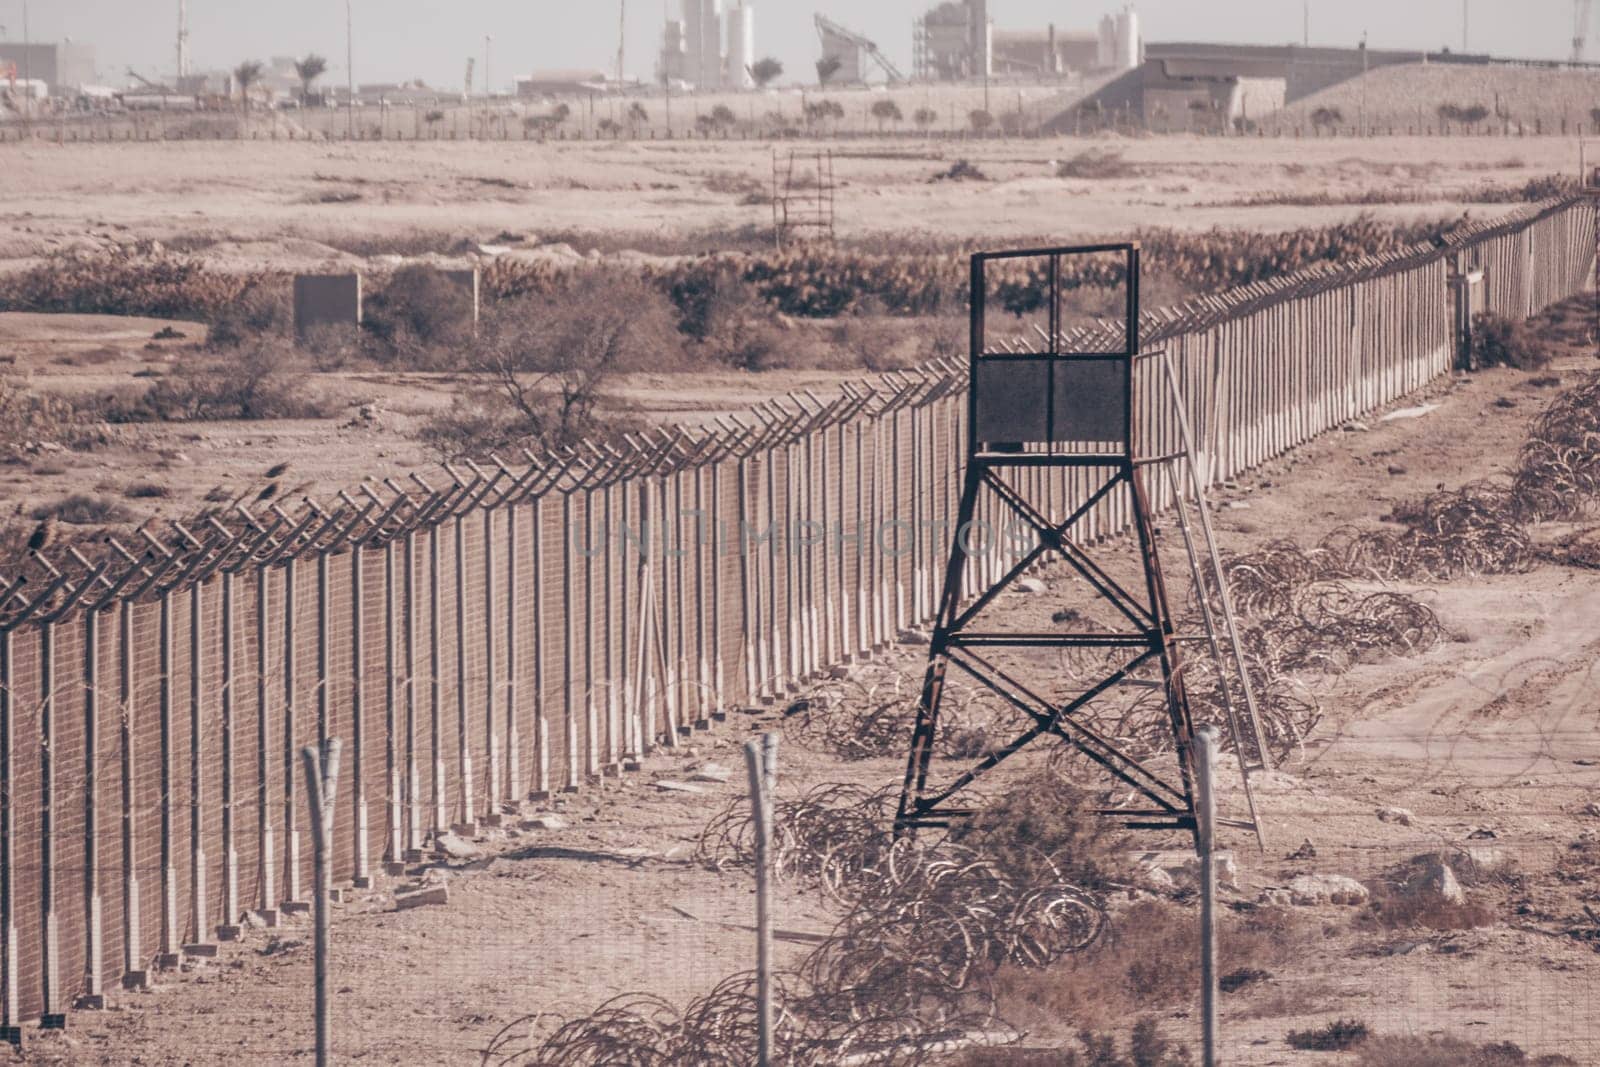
(759,756)
(1205,814)
(322,779)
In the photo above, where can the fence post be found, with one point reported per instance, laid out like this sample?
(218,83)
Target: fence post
(169,955)
(491,812)
(435,687)
(760,759)
(1205,816)
(93,995)
(198,902)
(467,824)
(360,876)
(394,849)
(322,780)
(228,929)
(133,972)
(266,866)
(514,791)
(10,1030)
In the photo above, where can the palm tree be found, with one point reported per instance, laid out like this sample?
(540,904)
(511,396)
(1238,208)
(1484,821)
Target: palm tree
(309,69)
(245,75)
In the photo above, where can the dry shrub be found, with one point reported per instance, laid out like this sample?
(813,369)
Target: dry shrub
(263,379)
(1337,1036)
(147,491)
(542,363)
(81,509)
(1498,341)
(1411,1051)
(1149,960)
(419,318)
(1046,815)
(722,314)
(143,280)
(1097,164)
(261,309)
(960,171)
(1146,1048)
(875,342)
(27,418)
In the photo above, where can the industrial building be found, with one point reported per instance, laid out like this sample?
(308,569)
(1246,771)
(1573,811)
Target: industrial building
(64,68)
(543,83)
(953,41)
(1199,85)
(956,41)
(1043,52)
(709,48)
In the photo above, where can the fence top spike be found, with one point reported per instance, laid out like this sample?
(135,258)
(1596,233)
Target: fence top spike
(194,542)
(154,543)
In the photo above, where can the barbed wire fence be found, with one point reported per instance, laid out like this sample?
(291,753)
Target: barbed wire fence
(518,631)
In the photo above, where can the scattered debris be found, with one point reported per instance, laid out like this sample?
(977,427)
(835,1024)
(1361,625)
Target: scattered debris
(439,894)
(1408,413)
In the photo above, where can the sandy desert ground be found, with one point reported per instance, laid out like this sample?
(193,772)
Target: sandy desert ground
(1494,732)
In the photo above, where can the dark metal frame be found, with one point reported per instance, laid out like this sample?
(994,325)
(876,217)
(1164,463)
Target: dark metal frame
(1169,805)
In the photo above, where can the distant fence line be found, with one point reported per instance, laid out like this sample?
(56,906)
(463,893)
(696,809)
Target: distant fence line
(402,125)
(516,632)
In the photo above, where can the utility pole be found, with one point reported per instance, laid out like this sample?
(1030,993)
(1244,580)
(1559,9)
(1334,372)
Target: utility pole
(622,38)
(183,42)
(350,72)
(1307,30)
(1465,12)
(1363,131)
(27,72)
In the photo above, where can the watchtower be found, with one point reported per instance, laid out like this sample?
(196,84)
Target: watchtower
(1069,424)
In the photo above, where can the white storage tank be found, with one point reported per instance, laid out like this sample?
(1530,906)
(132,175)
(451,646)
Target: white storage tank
(710,76)
(1129,47)
(741,47)
(1106,52)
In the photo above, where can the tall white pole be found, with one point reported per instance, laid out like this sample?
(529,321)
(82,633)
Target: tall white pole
(350,71)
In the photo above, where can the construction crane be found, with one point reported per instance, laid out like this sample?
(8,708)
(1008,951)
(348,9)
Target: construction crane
(826,28)
(1582,10)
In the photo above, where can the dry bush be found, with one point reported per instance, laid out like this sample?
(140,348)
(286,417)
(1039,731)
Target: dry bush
(877,343)
(337,347)
(261,309)
(1337,1036)
(1149,960)
(544,361)
(81,509)
(1045,815)
(147,491)
(1411,1051)
(419,318)
(1146,1048)
(960,171)
(1097,164)
(28,418)
(1498,341)
(145,280)
(263,379)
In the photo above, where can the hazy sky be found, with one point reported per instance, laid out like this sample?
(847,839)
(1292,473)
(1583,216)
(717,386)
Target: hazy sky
(402,39)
